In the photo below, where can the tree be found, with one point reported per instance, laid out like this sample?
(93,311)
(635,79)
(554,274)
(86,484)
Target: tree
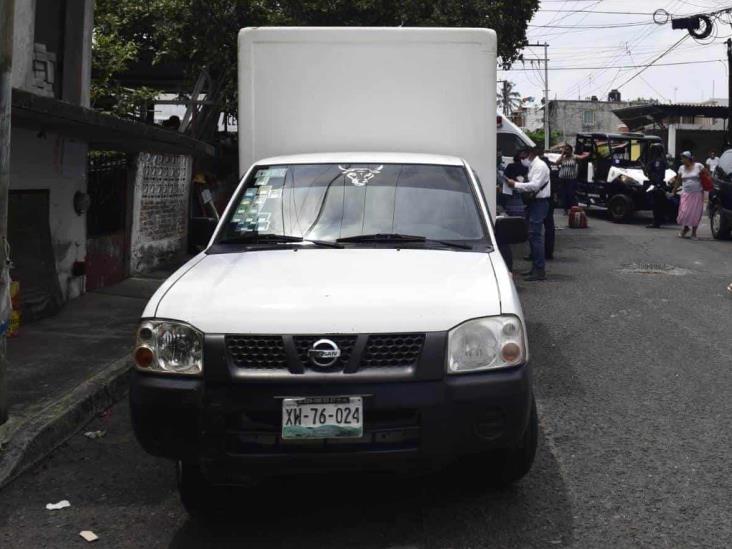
(508,98)
(537,136)
(122,36)
(201,34)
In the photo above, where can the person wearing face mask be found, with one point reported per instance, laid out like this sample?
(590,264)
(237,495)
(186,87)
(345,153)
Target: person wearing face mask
(536,192)
(511,201)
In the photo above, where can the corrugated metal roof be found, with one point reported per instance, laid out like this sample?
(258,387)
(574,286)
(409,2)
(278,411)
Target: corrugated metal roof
(641,115)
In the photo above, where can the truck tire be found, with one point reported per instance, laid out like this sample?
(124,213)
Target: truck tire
(620,208)
(502,467)
(719,224)
(199,497)
(511,465)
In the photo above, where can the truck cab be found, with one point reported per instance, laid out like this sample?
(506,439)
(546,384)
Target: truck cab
(720,199)
(352,310)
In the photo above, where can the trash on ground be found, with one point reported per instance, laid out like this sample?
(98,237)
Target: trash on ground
(88,535)
(95,434)
(60,505)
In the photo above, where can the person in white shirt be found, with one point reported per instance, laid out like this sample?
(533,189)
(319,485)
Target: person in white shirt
(536,192)
(712,162)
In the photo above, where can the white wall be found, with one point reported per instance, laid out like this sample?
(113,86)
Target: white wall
(159,233)
(58,164)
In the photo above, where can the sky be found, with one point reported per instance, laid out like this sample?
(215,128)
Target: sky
(606,50)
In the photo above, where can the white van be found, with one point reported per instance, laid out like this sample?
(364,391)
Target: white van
(510,139)
(352,310)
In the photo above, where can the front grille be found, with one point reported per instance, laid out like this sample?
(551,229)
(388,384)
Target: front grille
(290,353)
(345,344)
(392,350)
(257,352)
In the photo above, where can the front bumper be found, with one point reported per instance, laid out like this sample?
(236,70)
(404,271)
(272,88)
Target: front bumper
(233,429)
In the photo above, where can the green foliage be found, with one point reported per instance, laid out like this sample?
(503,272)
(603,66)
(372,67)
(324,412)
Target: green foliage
(202,33)
(509,99)
(537,136)
(119,40)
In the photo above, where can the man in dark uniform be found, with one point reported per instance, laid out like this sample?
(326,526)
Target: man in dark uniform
(656,172)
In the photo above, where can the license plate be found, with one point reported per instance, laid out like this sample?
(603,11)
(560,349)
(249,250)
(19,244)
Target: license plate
(322,417)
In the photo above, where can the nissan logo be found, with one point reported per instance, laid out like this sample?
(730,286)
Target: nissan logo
(324,353)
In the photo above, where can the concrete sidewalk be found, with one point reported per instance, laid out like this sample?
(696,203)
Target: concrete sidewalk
(67,368)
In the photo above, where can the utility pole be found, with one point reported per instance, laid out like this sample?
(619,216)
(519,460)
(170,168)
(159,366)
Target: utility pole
(729,91)
(546,96)
(701,26)
(546,89)
(7,17)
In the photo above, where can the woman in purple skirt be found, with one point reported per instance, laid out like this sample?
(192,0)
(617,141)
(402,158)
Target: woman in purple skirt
(691,206)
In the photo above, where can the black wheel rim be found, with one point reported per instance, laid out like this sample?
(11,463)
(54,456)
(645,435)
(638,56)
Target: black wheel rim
(716,221)
(618,209)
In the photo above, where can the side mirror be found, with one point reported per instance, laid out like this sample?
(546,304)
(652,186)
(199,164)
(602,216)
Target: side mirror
(511,230)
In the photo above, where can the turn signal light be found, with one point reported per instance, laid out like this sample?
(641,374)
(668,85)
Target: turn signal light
(143,357)
(510,351)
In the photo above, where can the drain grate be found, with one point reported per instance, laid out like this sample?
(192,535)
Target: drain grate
(653,269)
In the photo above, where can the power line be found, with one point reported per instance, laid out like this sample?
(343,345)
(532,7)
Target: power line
(675,44)
(606,26)
(560,68)
(624,48)
(599,12)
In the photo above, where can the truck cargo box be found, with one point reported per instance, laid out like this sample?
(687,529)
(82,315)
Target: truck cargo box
(420,90)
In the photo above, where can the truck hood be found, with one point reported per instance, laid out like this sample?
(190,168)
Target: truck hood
(331,291)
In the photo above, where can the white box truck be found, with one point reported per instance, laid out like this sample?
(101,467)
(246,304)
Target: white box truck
(352,309)
(313,90)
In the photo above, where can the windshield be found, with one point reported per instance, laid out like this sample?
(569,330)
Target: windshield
(622,152)
(327,202)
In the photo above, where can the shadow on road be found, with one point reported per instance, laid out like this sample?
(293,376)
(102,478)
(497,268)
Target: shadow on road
(640,217)
(447,509)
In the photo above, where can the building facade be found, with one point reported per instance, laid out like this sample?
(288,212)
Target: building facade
(51,59)
(567,117)
(92,199)
(695,127)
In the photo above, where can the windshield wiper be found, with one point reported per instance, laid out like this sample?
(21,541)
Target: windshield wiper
(396,237)
(255,238)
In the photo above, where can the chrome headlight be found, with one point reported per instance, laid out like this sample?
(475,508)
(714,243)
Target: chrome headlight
(167,346)
(486,344)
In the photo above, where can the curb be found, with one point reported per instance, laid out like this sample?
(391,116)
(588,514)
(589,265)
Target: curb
(34,437)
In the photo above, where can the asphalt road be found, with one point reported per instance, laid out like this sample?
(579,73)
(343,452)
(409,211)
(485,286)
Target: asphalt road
(633,380)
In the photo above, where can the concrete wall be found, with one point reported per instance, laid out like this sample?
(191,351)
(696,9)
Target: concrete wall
(534,118)
(699,142)
(58,164)
(23,36)
(41,160)
(566,117)
(159,210)
(77,51)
